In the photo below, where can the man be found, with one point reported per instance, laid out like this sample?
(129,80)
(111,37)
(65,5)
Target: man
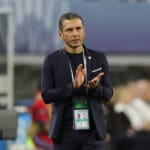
(76,79)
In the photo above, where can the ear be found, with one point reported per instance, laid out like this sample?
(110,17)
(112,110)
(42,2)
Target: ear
(60,34)
(84,32)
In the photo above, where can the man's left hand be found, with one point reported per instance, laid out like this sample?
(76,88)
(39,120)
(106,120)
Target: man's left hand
(92,84)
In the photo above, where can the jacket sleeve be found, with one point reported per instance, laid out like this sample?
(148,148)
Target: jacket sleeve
(49,92)
(104,89)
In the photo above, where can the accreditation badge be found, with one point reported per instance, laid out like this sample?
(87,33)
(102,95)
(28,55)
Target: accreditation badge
(80,114)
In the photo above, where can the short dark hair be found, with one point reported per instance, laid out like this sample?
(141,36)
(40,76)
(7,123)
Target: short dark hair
(68,16)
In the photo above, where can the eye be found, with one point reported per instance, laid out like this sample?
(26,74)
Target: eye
(78,28)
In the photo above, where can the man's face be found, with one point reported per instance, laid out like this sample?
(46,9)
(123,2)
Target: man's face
(72,33)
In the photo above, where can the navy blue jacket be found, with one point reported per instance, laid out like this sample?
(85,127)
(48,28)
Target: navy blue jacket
(56,86)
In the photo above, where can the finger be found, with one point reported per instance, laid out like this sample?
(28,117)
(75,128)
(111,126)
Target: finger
(84,72)
(91,84)
(94,83)
(95,80)
(79,67)
(100,75)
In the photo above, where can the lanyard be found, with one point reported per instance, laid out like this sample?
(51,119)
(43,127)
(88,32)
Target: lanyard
(85,66)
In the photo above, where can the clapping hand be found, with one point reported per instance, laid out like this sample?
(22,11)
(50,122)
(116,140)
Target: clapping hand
(92,84)
(79,76)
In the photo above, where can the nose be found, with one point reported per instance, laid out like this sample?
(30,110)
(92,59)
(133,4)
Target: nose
(75,32)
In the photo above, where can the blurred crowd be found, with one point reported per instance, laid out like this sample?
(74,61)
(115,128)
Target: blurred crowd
(128,116)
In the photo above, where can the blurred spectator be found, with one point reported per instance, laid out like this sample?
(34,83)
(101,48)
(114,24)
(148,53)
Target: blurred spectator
(118,123)
(141,122)
(38,131)
(123,95)
(131,110)
(137,108)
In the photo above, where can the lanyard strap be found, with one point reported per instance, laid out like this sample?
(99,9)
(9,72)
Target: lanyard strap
(85,66)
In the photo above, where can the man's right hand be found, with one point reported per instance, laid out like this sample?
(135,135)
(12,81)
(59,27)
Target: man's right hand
(79,76)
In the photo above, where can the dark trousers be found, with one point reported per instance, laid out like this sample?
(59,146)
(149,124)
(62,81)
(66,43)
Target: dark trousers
(79,140)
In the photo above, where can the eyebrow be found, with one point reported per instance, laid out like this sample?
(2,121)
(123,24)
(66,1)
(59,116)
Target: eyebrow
(70,28)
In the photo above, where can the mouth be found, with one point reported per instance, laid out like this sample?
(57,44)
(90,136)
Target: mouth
(75,40)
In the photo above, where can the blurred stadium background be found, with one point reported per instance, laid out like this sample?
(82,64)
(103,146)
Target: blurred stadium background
(28,31)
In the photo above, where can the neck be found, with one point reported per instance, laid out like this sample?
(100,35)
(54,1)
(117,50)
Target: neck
(74,50)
